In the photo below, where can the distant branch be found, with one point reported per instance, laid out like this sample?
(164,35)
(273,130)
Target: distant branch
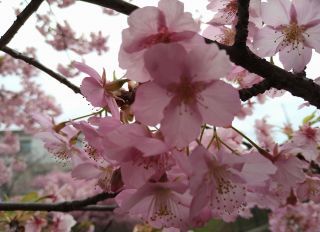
(40,66)
(87,204)
(18,23)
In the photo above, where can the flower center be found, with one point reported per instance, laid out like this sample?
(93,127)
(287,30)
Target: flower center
(293,35)
(163,36)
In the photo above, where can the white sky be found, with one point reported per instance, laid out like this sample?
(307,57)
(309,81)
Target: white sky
(84,18)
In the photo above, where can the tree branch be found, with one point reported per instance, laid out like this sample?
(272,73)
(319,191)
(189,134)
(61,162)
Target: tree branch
(18,23)
(117,5)
(242,24)
(40,66)
(259,88)
(67,206)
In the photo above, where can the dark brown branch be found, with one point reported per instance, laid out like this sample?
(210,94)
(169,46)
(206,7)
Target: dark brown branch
(242,24)
(40,66)
(67,206)
(117,5)
(18,23)
(255,90)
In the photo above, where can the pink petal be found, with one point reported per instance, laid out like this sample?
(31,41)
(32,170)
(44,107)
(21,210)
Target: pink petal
(88,70)
(86,171)
(208,62)
(149,103)
(181,125)
(176,19)
(94,92)
(220,104)
(267,41)
(276,12)
(313,40)
(296,59)
(165,63)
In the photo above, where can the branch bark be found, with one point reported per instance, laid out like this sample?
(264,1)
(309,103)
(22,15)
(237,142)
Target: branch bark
(242,24)
(242,56)
(40,66)
(67,206)
(18,23)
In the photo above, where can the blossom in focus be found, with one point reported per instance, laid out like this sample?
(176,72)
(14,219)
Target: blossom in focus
(185,91)
(148,26)
(292,29)
(95,89)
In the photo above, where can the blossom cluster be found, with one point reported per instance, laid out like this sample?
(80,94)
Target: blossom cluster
(171,153)
(163,138)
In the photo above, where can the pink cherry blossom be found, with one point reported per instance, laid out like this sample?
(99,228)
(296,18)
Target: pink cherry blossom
(309,189)
(62,144)
(185,91)
(62,222)
(159,204)
(292,29)
(35,224)
(216,183)
(305,141)
(94,88)
(300,217)
(226,12)
(167,23)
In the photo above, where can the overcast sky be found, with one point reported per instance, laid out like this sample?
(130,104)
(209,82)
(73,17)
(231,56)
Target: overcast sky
(84,18)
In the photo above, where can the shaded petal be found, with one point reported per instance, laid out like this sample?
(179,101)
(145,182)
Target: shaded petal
(181,124)
(220,104)
(165,63)
(150,101)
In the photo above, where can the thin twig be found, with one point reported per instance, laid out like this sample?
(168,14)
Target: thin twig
(83,205)
(18,23)
(35,63)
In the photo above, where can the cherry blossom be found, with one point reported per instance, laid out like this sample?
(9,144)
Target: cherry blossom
(149,26)
(185,92)
(159,204)
(216,183)
(293,31)
(96,89)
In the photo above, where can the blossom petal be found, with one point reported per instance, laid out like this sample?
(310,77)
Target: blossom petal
(165,63)
(220,104)
(88,70)
(201,60)
(180,125)
(94,92)
(296,59)
(266,42)
(149,103)
(276,12)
